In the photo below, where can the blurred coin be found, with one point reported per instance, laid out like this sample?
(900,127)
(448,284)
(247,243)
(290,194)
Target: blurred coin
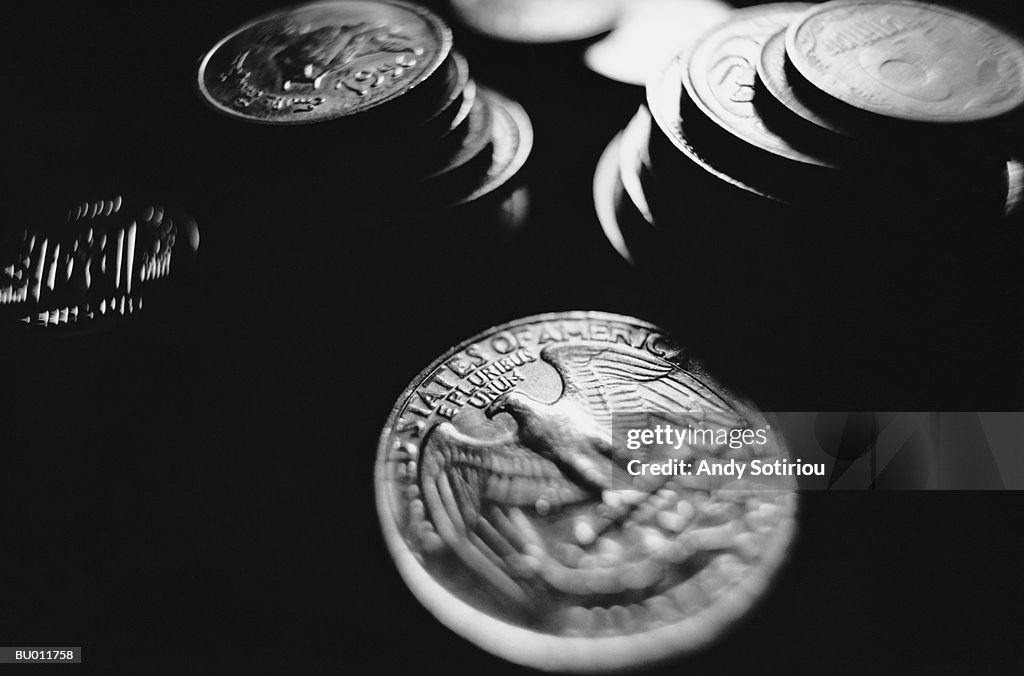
(476,141)
(435,150)
(908,60)
(608,192)
(452,138)
(720,79)
(469,95)
(324,61)
(511,215)
(632,155)
(93,263)
(450,106)
(649,246)
(621,205)
(511,143)
(649,33)
(1015,187)
(494,489)
(538,21)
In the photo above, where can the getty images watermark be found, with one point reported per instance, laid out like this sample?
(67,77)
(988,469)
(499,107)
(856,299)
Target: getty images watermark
(700,442)
(823,450)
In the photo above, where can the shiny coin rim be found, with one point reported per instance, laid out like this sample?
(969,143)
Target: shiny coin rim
(607,191)
(782,90)
(469,96)
(632,148)
(511,125)
(477,141)
(449,108)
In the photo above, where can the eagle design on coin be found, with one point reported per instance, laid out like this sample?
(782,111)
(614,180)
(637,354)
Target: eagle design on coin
(506,500)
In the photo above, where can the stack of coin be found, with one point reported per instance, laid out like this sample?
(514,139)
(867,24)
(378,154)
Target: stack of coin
(887,112)
(372,89)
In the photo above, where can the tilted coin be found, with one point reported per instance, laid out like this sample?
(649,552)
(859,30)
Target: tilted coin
(451,140)
(622,210)
(510,216)
(648,34)
(721,76)
(908,60)
(92,265)
(454,95)
(458,123)
(538,21)
(496,507)
(476,140)
(511,144)
(608,193)
(323,61)
(649,245)
(632,154)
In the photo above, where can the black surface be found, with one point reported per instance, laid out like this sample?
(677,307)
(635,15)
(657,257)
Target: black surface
(193,493)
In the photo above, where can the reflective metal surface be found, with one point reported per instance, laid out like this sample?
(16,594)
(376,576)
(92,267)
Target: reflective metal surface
(496,489)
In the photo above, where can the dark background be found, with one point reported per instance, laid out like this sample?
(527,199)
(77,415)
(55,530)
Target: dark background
(192,492)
